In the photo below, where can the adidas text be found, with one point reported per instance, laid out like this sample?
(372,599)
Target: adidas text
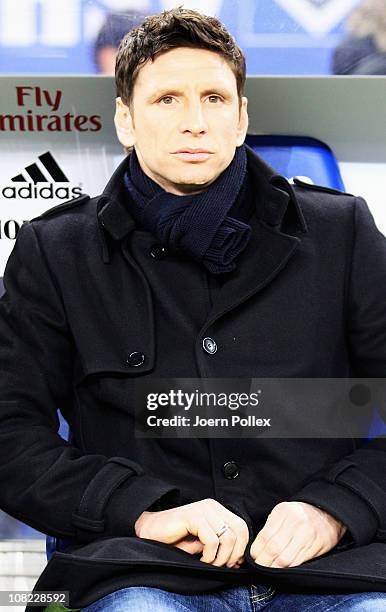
(47,192)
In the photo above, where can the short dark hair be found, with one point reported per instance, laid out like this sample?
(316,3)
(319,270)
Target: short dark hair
(178,27)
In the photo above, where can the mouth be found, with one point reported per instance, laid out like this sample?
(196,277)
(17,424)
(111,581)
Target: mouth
(192,155)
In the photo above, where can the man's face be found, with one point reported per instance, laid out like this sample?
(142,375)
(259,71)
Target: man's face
(185,121)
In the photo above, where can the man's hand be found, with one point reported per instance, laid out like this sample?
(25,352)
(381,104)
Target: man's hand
(193,528)
(294,533)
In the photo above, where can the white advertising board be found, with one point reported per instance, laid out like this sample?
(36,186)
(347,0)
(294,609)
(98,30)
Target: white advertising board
(57,142)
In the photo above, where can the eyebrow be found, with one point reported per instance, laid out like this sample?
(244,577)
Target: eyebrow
(176,92)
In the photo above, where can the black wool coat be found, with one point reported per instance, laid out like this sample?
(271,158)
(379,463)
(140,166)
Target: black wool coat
(86,288)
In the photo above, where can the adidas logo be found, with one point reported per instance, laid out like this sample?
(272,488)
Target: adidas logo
(49,163)
(45,170)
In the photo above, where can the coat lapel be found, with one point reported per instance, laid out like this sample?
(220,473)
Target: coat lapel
(266,254)
(274,239)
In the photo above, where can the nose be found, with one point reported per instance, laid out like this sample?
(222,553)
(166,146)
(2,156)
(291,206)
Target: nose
(193,119)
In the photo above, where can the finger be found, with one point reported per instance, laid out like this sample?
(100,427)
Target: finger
(216,515)
(306,554)
(297,548)
(239,563)
(273,548)
(233,542)
(238,551)
(202,529)
(274,527)
(241,531)
(227,542)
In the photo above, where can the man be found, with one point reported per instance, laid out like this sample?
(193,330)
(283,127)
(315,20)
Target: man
(363,49)
(197,261)
(114,28)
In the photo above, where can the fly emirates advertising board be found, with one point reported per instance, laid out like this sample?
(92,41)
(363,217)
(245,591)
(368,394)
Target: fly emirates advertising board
(57,142)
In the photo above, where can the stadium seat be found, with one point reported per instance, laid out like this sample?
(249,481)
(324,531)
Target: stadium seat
(299,156)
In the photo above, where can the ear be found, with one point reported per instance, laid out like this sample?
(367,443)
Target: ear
(124,124)
(243,122)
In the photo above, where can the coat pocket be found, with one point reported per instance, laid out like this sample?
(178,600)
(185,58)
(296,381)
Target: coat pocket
(105,404)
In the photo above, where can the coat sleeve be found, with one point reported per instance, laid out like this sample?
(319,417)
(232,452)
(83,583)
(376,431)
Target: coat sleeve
(45,481)
(354,489)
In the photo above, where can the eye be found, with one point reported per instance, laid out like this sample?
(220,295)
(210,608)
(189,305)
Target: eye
(214,98)
(166,100)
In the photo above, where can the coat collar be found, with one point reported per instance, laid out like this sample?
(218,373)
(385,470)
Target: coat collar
(267,252)
(276,201)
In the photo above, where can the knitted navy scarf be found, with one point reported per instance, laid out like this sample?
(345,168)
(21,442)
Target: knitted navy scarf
(196,225)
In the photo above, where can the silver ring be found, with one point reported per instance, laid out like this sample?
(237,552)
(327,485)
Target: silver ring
(223,529)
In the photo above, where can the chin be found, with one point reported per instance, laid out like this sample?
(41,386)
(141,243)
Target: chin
(198,179)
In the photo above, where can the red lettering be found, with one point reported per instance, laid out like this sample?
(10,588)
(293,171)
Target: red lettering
(20,93)
(39,122)
(79,121)
(38,96)
(97,121)
(67,121)
(30,121)
(11,121)
(55,124)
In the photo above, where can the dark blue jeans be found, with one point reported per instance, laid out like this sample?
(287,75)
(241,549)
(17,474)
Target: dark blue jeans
(237,599)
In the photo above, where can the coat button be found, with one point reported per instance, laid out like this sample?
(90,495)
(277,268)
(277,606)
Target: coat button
(209,345)
(158,251)
(231,470)
(136,359)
